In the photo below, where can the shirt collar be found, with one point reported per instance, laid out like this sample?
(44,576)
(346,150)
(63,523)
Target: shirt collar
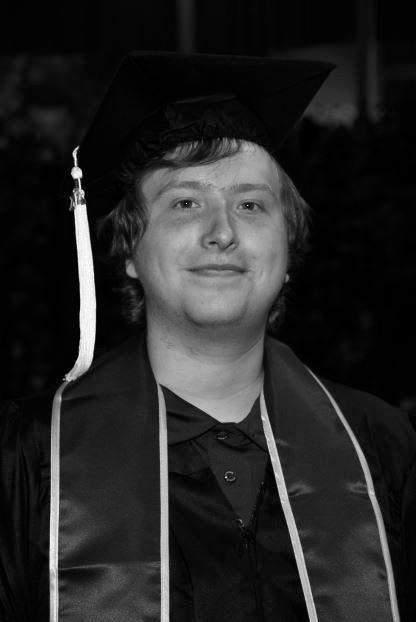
(185,421)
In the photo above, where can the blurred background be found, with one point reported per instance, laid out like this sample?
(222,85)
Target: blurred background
(352,310)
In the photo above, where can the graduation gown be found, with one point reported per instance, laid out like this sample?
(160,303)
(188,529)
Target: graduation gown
(384,435)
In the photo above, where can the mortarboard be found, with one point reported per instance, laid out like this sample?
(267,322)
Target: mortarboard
(159,100)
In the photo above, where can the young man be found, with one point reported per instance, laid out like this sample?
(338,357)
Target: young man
(200,472)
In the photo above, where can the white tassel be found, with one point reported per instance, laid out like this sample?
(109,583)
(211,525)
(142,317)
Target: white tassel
(87,302)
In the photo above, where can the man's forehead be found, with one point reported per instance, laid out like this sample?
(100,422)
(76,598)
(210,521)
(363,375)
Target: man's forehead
(250,169)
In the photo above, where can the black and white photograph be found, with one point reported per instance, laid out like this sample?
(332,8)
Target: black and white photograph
(208,318)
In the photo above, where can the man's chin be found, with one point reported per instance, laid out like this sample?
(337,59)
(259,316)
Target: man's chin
(216,318)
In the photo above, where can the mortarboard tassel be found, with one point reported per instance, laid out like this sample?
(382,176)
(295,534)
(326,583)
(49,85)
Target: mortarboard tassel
(87,302)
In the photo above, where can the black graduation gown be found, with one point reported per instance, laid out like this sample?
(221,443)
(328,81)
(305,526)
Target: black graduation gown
(383,432)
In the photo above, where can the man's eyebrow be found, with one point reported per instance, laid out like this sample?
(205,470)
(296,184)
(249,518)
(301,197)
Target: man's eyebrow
(185,185)
(205,185)
(248,187)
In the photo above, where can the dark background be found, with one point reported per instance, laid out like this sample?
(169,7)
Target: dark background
(352,311)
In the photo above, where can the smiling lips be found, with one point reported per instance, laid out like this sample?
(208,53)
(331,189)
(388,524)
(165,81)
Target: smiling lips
(213,269)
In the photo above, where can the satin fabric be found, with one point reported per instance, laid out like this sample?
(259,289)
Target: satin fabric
(109,528)
(109,540)
(328,496)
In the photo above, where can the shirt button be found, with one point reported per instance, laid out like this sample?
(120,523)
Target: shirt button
(230,476)
(221,435)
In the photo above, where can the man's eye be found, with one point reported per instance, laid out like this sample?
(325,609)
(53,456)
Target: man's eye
(185,204)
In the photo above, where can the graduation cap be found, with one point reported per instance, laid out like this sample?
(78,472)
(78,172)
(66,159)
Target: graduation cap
(159,100)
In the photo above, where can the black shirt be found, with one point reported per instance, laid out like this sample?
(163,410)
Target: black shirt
(236,453)
(231,556)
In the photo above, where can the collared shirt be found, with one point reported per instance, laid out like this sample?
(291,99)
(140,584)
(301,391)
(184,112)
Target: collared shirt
(236,453)
(230,553)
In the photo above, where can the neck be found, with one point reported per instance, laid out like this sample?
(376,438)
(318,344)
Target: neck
(220,376)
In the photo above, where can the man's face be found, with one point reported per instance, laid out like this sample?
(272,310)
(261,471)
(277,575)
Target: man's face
(215,249)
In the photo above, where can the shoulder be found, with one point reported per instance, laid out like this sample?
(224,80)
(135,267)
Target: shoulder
(379,414)
(24,503)
(28,412)
(383,431)
(25,429)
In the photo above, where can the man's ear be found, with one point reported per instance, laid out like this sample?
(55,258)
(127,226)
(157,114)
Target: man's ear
(131,269)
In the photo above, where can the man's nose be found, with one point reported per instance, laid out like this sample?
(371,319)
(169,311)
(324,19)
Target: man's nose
(220,230)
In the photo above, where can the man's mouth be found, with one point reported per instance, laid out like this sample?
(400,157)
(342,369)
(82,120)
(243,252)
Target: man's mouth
(213,269)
